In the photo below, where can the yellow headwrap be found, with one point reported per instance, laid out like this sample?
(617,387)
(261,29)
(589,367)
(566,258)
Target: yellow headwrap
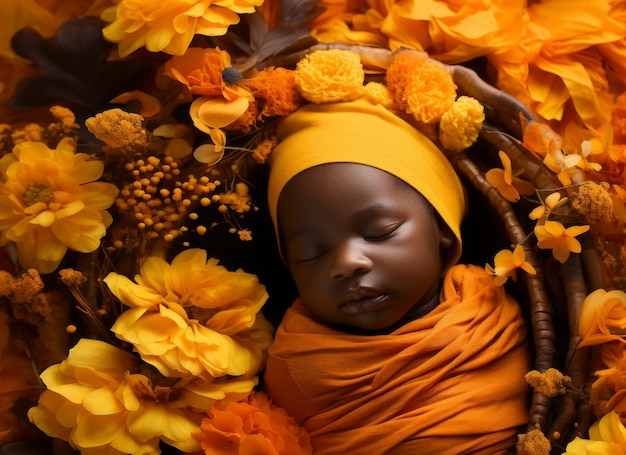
(365,133)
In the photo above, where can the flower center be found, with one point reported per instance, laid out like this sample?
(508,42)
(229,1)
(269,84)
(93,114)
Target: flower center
(38,193)
(231,76)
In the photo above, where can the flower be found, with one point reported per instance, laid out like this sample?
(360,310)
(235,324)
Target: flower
(460,125)
(533,442)
(551,203)
(49,202)
(553,235)
(608,435)
(551,382)
(603,317)
(420,86)
(254,425)
(109,406)
(608,392)
(328,76)
(170,26)
(506,264)
(193,317)
(506,182)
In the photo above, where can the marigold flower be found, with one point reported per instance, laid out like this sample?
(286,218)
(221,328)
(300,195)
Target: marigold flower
(49,202)
(603,317)
(193,317)
(460,125)
(607,435)
(253,425)
(551,382)
(170,26)
(506,182)
(328,76)
(421,87)
(276,90)
(553,235)
(379,94)
(99,401)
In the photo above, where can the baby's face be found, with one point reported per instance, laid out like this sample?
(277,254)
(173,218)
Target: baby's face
(362,246)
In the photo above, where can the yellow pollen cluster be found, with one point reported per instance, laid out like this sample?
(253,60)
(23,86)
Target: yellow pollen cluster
(71,277)
(158,200)
(263,150)
(118,129)
(551,383)
(594,201)
(20,289)
(238,200)
(38,193)
(533,442)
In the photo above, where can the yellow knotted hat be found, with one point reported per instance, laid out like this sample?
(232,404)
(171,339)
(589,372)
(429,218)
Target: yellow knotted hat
(362,132)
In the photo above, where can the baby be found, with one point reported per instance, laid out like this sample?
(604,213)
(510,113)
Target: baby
(390,348)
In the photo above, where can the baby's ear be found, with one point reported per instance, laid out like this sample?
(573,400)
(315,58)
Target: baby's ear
(446,236)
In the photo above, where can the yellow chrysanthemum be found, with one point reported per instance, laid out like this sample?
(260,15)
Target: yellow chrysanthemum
(99,401)
(460,125)
(608,436)
(328,76)
(169,26)
(49,202)
(193,317)
(553,235)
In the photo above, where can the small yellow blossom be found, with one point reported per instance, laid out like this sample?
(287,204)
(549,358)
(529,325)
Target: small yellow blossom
(193,317)
(118,129)
(460,125)
(551,383)
(170,26)
(553,235)
(551,203)
(328,76)
(506,182)
(262,151)
(506,263)
(380,94)
(71,277)
(49,202)
(606,436)
(245,234)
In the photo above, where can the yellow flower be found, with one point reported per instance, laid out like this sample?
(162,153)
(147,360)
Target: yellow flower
(606,436)
(460,125)
(421,87)
(193,317)
(506,182)
(506,263)
(99,402)
(49,202)
(608,392)
(328,76)
(603,317)
(553,235)
(551,203)
(169,26)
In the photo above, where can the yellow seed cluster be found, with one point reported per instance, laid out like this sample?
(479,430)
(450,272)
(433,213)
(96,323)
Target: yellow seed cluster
(594,201)
(551,383)
(158,200)
(533,442)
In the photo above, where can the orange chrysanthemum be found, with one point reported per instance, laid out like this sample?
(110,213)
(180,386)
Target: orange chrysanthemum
(49,203)
(253,425)
(171,25)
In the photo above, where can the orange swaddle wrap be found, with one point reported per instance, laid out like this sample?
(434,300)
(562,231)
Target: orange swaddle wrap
(450,382)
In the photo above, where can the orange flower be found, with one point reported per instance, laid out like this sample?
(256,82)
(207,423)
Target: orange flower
(506,263)
(170,26)
(253,425)
(193,317)
(276,87)
(608,392)
(553,235)
(506,182)
(603,317)
(551,203)
(49,202)
(421,87)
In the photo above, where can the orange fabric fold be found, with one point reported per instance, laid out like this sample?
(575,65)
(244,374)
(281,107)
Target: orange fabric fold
(450,382)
